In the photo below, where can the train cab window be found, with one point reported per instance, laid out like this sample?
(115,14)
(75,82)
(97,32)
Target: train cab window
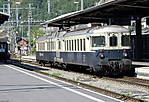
(125,40)
(98,41)
(113,41)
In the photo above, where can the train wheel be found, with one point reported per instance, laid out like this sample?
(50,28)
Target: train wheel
(43,64)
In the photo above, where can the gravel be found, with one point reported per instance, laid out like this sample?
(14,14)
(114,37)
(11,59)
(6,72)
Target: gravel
(127,90)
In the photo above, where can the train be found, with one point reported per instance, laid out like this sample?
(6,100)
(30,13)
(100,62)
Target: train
(102,50)
(4,49)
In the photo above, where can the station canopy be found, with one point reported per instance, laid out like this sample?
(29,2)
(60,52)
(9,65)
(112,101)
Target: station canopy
(3,17)
(119,12)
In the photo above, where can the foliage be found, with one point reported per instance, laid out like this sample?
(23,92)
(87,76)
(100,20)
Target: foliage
(58,7)
(35,33)
(40,12)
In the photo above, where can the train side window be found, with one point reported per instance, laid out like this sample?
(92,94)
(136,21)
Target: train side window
(125,40)
(75,45)
(78,44)
(40,46)
(72,45)
(84,43)
(59,45)
(54,47)
(49,45)
(113,41)
(69,45)
(43,46)
(81,44)
(65,45)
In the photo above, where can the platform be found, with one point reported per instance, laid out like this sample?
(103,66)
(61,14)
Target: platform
(141,69)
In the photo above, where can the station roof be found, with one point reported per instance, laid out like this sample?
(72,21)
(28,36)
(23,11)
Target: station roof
(3,17)
(120,11)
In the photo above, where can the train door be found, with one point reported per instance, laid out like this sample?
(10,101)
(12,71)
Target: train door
(58,50)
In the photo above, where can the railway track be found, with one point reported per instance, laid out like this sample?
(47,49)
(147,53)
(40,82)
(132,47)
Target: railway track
(125,80)
(132,81)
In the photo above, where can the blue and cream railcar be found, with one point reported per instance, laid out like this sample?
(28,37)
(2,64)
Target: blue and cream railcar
(103,50)
(4,49)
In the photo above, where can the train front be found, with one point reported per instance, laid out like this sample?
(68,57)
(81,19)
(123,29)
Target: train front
(112,51)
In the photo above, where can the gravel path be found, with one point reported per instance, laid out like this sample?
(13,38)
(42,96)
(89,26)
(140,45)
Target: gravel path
(128,90)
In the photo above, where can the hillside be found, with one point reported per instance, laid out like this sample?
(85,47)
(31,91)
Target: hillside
(58,7)
(40,12)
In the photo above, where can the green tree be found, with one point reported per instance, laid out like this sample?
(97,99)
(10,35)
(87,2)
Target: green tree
(35,33)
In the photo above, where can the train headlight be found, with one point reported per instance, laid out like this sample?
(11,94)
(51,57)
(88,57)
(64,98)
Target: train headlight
(102,55)
(125,53)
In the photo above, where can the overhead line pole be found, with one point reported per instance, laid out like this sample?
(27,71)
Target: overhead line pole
(82,4)
(29,27)
(49,10)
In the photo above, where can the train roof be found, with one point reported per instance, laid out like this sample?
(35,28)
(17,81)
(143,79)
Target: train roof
(95,30)
(110,29)
(42,38)
(91,30)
